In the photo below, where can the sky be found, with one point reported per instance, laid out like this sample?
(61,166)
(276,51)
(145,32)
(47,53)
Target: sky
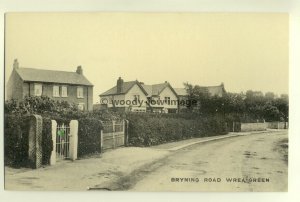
(245,51)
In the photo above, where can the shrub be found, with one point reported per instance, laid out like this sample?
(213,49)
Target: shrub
(16,140)
(89,139)
(16,130)
(147,129)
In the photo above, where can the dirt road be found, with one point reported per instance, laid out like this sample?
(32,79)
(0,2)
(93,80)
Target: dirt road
(179,166)
(243,163)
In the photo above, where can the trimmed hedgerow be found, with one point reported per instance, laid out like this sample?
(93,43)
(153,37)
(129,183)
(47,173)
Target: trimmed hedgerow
(89,136)
(16,132)
(152,129)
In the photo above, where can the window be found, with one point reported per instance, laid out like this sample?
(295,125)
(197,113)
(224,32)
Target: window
(136,97)
(79,92)
(167,100)
(55,91)
(64,91)
(38,89)
(81,106)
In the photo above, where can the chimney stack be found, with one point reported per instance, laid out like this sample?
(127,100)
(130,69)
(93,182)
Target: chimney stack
(16,64)
(120,84)
(79,70)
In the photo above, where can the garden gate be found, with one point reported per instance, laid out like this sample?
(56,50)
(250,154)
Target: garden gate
(63,142)
(113,134)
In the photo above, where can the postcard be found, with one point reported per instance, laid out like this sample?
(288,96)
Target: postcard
(146,101)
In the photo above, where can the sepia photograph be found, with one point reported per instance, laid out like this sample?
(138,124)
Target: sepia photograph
(146,101)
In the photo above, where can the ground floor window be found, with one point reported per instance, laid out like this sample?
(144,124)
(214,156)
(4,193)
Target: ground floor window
(172,110)
(81,106)
(138,110)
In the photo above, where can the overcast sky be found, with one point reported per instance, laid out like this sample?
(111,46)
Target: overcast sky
(243,50)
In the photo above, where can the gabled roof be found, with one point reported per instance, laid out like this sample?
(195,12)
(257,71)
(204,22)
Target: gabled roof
(216,90)
(212,90)
(126,87)
(52,76)
(156,89)
(181,91)
(149,90)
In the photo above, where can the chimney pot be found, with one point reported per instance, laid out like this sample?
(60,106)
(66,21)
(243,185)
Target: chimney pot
(79,70)
(16,64)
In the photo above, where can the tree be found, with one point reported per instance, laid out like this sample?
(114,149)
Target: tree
(270,96)
(271,113)
(249,107)
(282,105)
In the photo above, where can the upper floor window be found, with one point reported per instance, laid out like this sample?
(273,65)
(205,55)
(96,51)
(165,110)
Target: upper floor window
(64,91)
(167,100)
(136,97)
(79,92)
(55,91)
(38,89)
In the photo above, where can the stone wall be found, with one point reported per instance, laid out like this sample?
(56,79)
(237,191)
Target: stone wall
(253,127)
(277,125)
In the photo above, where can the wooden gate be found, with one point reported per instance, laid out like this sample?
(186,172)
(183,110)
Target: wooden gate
(62,142)
(113,134)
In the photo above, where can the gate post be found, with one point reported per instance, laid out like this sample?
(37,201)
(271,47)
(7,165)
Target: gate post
(35,141)
(53,153)
(126,132)
(113,134)
(101,140)
(73,139)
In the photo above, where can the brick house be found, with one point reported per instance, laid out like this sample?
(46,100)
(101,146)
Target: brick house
(72,87)
(122,95)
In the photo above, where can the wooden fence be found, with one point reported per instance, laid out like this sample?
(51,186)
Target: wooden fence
(113,134)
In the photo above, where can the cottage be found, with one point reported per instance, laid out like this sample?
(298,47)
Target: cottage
(162,98)
(125,96)
(72,87)
(137,97)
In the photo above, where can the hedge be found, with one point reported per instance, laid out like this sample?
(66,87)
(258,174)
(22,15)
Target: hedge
(89,139)
(16,132)
(146,129)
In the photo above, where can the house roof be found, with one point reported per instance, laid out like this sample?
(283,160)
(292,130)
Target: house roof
(126,87)
(156,89)
(216,90)
(149,90)
(181,91)
(212,90)
(52,76)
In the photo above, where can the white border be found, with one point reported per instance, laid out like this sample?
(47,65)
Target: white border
(170,6)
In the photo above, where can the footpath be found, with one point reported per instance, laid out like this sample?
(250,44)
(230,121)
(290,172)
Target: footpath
(105,168)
